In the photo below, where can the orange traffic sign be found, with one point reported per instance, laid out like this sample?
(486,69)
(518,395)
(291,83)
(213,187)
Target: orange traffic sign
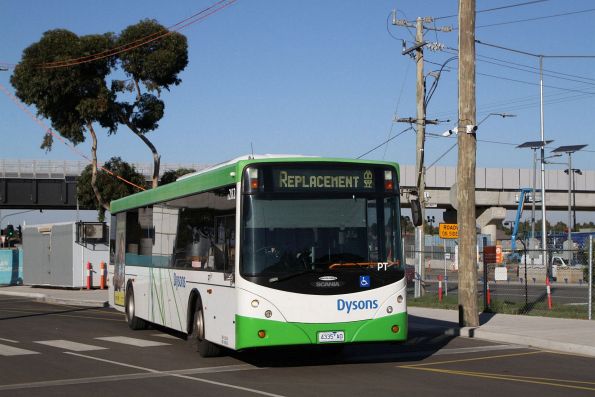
(449,230)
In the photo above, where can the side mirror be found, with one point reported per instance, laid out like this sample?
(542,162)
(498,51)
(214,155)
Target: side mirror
(416,212)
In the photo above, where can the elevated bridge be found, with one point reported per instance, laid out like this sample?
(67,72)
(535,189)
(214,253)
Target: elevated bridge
(50,184)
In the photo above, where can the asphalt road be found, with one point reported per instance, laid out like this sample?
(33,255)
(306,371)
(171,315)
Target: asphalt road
(48,350)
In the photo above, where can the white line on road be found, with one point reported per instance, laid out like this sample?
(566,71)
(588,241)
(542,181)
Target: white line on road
(178,375)
(69,345)
(166,336)
(118,378)
(6,350)
(132,341)
(9,340)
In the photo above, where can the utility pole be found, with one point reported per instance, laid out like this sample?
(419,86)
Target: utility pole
(420,122)
(468,309)
(420,142)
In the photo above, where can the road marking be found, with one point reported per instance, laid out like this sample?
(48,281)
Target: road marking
(166,336)
(69,345)
(118,378)
(179,375)
(471,359)
(9,340)
(508,377)
(132,341)
(53,313)
(6,350)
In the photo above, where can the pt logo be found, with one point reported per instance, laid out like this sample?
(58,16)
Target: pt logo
(364,281)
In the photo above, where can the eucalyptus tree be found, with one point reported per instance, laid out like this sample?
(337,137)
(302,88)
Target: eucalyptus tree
(152,58)
(72,95)
(109,185)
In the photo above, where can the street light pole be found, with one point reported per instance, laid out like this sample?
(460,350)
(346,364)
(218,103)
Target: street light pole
(15,213)
(574,172)
(569,150)
(542,152)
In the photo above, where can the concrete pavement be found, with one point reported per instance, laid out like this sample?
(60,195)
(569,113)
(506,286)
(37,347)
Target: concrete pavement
(557,334)
(61,296)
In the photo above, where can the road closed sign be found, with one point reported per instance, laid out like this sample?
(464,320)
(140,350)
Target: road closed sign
(449,230)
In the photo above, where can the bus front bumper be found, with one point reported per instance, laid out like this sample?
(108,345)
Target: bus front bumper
(254,332)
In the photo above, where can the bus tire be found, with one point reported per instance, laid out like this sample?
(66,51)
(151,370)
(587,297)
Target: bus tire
(134,322)
(196,337)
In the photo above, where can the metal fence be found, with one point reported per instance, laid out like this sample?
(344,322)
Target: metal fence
(522,283)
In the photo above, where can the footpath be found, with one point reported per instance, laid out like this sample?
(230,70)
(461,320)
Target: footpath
(556,334)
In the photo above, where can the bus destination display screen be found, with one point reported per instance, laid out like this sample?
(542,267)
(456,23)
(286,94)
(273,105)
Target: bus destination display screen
(319,179)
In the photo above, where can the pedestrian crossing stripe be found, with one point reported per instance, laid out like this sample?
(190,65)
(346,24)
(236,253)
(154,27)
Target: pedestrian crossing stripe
(6,350)
(132,341)
(69,345)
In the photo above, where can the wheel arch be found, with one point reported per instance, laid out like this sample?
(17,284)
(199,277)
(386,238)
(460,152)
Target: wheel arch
(193,300)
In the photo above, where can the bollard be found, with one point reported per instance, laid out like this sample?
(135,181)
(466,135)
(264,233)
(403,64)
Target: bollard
(89,276)
(103,275)
(549,293)
(488,293)
(440,287)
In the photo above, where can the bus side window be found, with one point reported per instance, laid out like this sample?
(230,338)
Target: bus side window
(224,247)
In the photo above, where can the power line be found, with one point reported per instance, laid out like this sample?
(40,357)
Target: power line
(532,54)
(57,136)
(197,17)
(536,18)
(385,142)
(547,72)
(496,8)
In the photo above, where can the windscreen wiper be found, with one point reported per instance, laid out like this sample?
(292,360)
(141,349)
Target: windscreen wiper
(292,275)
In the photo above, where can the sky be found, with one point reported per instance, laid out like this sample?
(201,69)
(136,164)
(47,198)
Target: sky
(327,78)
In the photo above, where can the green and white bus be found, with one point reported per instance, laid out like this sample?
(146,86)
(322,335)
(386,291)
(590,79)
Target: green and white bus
(265,251)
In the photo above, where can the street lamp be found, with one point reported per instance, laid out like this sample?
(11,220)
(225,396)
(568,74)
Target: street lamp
(574,172)
(534,145)
(569,150)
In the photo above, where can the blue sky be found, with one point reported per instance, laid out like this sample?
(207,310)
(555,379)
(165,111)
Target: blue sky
(326,78)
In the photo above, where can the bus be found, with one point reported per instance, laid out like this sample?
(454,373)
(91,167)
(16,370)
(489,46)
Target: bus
(265,251)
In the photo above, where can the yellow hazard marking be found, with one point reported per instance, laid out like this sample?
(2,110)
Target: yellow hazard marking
(471,359)
(567,383)
(564,383)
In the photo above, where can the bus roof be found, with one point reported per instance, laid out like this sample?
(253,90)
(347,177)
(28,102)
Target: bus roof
(219,175)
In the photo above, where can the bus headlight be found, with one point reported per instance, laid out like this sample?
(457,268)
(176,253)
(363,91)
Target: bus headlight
(255,303)
(389,309)
(400,299)
(268,314)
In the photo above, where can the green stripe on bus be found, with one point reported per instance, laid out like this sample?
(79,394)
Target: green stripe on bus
(222,176)
(280,333)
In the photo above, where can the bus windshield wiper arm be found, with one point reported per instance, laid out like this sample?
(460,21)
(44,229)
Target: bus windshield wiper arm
(288,276)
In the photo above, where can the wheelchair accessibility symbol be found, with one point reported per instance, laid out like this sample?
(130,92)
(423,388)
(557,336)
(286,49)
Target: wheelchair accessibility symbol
(364,281)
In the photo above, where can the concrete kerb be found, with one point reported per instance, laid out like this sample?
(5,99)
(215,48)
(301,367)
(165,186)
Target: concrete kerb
(54,300)
(523,340)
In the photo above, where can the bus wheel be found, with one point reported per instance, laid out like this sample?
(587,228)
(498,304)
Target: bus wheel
(133,321)
(197,336)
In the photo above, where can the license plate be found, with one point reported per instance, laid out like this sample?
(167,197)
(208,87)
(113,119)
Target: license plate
(331,336)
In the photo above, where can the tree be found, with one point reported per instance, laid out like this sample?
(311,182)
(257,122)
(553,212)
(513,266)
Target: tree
(170,176)
(154,66)
(75,95)
(110,187)
(72,98)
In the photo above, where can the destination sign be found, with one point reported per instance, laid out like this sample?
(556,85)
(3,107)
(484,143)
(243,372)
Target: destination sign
(320,179)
